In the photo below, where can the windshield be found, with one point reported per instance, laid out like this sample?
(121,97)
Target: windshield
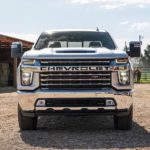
(75,39)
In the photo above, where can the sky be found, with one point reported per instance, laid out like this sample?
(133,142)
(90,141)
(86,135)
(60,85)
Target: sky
(124,19)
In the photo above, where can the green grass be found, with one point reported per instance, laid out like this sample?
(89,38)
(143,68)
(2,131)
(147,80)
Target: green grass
(145,78)
(143,81)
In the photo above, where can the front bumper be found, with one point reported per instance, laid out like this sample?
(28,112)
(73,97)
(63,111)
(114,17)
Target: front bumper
(27,101)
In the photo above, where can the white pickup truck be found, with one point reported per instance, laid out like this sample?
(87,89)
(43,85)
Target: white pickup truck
(75,72)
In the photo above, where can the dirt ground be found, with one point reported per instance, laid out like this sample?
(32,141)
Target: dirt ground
(75,132)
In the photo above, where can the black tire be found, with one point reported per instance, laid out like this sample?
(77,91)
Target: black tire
(25,122)
(124,122)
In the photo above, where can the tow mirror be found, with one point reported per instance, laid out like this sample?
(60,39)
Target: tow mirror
(16,49)
(134,49)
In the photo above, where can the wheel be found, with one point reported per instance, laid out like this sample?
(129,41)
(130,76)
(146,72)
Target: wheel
(25,122)
(124,122)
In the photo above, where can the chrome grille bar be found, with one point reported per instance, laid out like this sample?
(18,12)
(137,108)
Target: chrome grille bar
(76,61)
(60,74)
(45,80)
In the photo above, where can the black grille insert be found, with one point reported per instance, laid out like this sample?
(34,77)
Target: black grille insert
(75,102)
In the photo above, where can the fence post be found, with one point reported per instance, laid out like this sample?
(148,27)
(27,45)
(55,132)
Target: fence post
(15,72)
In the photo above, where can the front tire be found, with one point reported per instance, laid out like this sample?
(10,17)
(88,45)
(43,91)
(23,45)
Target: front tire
(25,122)
(124,122)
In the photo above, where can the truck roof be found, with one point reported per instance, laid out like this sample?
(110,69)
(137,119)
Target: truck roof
(72,30)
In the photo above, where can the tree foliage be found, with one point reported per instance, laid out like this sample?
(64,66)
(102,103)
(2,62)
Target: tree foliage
(146,58)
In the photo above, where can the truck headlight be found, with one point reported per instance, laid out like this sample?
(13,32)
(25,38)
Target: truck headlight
(124,77)
(122,60)
(28,62)
(27,78)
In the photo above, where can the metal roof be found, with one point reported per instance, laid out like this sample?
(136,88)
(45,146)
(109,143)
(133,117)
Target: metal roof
(69,30)
(7,40)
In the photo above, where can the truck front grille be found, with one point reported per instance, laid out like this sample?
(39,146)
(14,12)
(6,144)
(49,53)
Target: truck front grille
(88,79)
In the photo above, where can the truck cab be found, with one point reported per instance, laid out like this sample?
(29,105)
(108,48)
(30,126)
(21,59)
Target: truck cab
(74,72)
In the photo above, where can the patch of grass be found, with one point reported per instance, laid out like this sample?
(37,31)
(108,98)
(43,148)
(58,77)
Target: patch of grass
(143,81)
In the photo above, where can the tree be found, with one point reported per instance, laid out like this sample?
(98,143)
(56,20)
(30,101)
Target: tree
(146,58)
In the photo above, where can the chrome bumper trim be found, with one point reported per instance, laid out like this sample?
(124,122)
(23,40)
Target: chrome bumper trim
(75,108)
(27,100)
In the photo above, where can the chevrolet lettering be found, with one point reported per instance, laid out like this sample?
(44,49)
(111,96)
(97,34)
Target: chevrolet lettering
(70,68)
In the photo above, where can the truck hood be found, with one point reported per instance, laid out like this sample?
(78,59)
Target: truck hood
(56,53)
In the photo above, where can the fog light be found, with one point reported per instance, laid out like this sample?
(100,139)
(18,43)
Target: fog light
(40,103)
(110,102)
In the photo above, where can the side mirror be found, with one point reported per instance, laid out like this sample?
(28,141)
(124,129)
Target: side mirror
(134,49)
(16,49)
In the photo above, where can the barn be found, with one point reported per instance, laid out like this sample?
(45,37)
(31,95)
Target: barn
(8,65)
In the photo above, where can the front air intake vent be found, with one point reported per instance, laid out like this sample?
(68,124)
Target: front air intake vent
(81,51)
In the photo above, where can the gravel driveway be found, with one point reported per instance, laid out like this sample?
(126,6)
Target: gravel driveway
(75,132)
